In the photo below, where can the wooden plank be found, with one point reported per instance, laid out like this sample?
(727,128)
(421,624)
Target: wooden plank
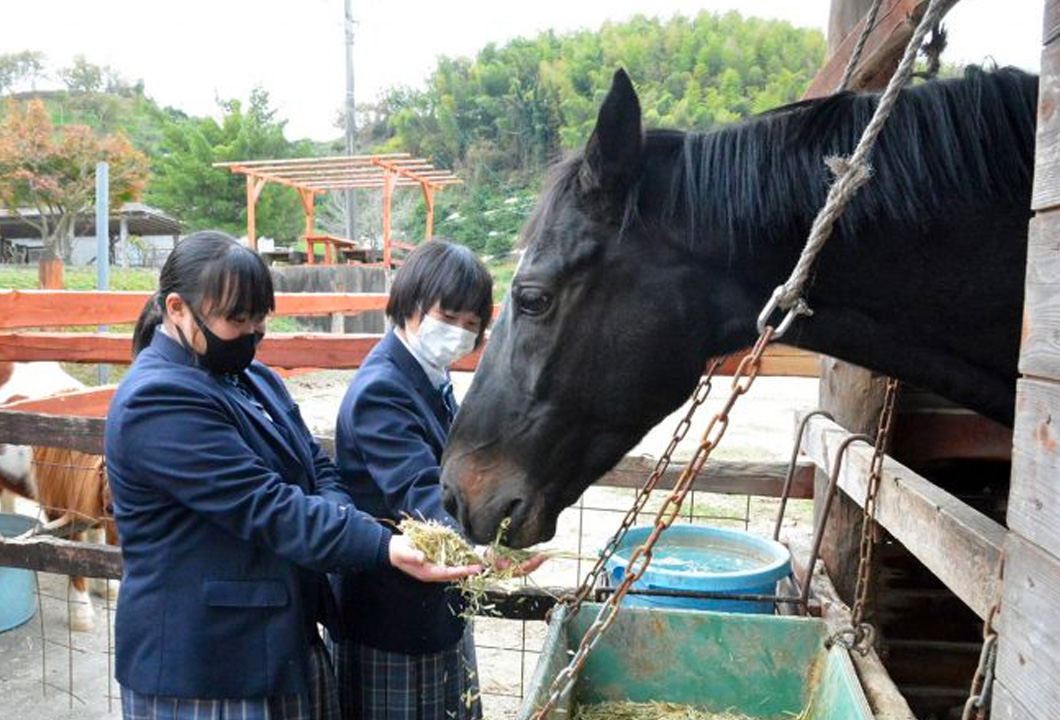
(23,427)
(1034,496)
(779,361)
(1006,707)
(293,350)
(725,477)
(1028,660)
(92,402)
(880,55)
(74,433)
(1040,352)
(923,437)
(54,555)
(72,308)
(1046,191)
(1051,26)
(50,554)
(961,546)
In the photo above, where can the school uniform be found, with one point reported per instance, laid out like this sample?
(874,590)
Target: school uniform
(229,514)
(406,654)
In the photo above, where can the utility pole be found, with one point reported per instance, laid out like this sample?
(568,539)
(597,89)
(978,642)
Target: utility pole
(351,121)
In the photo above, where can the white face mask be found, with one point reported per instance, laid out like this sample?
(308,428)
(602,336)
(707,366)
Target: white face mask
(440,343)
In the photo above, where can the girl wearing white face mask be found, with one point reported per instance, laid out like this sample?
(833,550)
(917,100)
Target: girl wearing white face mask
(404,651)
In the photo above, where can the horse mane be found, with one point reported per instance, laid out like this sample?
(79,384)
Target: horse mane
(948,143)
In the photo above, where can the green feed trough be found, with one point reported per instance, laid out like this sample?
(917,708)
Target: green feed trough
(762,666)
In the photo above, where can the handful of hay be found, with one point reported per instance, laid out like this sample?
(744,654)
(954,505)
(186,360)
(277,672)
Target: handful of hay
(650,711)
(444,546)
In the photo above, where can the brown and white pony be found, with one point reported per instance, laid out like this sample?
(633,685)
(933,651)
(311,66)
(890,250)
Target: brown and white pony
(69,486)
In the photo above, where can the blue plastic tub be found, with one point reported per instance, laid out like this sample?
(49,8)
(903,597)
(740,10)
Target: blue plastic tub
(704,559)
(17,604)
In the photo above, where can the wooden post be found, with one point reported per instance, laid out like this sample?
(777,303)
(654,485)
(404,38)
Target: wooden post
(309,207)
(50,273)
(428,197)
(254,188)
(1028,655)
(123,239)
(388,192)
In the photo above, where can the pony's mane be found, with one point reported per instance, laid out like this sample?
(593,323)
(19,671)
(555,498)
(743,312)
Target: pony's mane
(948,143)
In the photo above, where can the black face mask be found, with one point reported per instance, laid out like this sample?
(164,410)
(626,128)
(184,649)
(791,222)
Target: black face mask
(224,357)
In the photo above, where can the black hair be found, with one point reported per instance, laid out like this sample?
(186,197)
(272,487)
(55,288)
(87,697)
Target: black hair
(209,268)
(439,271)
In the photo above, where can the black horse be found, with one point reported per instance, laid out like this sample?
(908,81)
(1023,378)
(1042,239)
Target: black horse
(652,252)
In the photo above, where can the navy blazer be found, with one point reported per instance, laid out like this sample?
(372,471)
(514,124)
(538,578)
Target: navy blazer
(389,435)
(228,514)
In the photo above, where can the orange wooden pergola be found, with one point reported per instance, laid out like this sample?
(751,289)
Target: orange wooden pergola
(313,176)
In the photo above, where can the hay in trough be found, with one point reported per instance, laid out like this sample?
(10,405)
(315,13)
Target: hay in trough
(651,711)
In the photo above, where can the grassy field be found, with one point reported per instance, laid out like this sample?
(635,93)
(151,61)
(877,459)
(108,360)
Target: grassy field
(24,277)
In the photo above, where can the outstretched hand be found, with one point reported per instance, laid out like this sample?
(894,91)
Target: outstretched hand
(413,562)
(524,568)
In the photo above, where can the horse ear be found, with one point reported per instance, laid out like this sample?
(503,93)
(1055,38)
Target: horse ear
(612,156)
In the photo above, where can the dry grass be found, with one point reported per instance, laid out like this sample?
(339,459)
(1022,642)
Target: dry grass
(651,711)
(443,545)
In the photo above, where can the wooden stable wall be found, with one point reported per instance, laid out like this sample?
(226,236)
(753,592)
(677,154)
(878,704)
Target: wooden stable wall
(1028,663)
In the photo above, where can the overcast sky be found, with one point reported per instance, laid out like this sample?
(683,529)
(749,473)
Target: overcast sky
(190,52)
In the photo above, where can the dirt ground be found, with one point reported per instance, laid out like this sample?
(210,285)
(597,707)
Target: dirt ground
(761,429)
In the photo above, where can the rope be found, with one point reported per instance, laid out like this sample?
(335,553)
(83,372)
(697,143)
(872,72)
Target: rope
(855,55)
(851,173)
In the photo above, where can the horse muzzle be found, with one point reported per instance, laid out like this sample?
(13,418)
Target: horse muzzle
(481,498)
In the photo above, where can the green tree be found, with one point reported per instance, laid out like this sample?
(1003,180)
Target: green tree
(202,196)
(52,172)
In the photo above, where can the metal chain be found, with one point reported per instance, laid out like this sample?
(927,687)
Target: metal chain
(978,703)
(742,380)
(863,633)
(702,391)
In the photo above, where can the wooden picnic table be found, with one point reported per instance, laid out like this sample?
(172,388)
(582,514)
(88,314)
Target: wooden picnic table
(333,246)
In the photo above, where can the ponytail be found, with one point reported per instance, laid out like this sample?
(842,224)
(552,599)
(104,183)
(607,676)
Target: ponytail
(150,317)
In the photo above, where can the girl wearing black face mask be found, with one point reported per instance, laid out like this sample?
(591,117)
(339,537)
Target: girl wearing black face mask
(228,511)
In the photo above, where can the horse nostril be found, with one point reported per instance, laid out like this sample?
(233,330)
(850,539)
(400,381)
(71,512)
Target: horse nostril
(449,501)
(513,507)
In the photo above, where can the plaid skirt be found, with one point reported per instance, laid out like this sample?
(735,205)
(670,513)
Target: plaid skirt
(320,703)
(380,685)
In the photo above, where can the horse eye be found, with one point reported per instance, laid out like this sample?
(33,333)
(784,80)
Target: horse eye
(533,301)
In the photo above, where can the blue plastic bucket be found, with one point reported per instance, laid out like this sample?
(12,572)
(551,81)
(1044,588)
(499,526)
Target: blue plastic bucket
(704,559)
(17,604)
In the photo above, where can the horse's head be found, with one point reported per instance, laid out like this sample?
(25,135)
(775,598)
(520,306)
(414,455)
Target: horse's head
(601,336)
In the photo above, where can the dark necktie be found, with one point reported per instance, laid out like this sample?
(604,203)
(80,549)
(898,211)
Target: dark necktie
(449,400)
(236,381)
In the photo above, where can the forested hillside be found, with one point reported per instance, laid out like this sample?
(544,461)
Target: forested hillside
(498,119)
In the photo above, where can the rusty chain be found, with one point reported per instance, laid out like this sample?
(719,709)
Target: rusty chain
(977,707)
(863,632)
(638,563)
(702,391)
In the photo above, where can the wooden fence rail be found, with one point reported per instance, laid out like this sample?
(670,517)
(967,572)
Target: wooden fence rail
(299,350)
(960,545)
(74,308)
